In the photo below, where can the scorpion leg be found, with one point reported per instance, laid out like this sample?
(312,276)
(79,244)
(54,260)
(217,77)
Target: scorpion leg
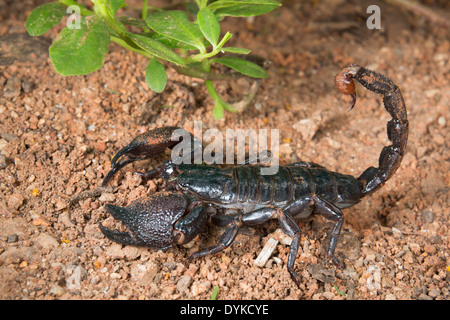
(225,240)
(188,227)
(333,213)
(291,228)
(234,223)
(287,224)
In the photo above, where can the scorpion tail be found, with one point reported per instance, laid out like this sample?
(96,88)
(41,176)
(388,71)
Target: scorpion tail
(397,128)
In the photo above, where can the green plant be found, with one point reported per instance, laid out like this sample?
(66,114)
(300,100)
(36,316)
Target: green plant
(214,293)
(170,36)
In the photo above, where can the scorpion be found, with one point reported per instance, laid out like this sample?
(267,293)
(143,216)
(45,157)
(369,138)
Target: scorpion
(200,193)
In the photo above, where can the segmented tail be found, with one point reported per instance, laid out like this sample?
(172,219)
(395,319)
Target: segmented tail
(397,128)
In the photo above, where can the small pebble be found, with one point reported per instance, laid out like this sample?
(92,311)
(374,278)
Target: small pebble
(27,86)
(170,265)
(199,288)
(321,273)
(8,136)
(183,283)
(12,238)
(12,88)
(428,216)
(429,248)
(56,290)
(107,197)
(423,296)
(3,162)
(100,146)
(328,295)
(15,200)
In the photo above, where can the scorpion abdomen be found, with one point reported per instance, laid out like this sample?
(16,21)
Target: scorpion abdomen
(334,187)
(245,188)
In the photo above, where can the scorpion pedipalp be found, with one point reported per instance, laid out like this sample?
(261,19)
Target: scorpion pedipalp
(157,221)
(145,146)
(149,220)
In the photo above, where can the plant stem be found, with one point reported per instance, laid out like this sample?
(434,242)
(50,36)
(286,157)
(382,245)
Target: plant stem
(212,91)
(225,38)
(144,9)
(118,28)
(195,73)
(201,3)
(124,44)
(203,56)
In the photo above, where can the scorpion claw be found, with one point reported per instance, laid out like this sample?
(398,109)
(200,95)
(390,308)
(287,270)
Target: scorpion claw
(119,237)
(149,174)
(145,146)
(150,220)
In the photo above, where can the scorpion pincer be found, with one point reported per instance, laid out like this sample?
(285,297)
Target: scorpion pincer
(199,192)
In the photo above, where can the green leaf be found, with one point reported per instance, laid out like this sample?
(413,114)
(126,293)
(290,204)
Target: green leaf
(219,104)
(156,48)
(81,51)
(171,43)
(209,25)
(214,293)
(228,106)
(155,75)
(218,111)
(44,17)
(132,22)
(176,25)
(236,50)
(114,5)
(243,66)
(243,8)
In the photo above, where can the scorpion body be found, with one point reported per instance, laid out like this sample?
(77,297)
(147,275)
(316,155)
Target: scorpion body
(240,195)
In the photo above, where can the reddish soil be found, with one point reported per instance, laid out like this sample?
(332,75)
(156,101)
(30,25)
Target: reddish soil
(58,134)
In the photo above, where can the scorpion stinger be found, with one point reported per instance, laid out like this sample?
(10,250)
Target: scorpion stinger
(294,192)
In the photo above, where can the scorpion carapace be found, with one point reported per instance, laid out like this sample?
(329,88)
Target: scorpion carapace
(240,195)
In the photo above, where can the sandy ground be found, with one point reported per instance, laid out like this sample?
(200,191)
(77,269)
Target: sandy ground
(58,134)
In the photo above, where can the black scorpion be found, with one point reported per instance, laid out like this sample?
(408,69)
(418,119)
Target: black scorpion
(294,192)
